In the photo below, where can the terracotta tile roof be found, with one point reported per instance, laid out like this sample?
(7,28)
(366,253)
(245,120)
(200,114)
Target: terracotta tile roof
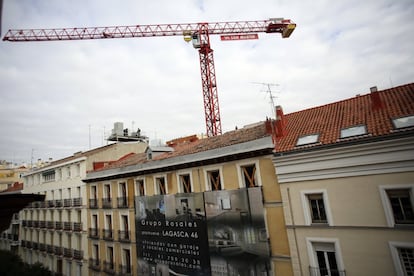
(375,110)
(245,134)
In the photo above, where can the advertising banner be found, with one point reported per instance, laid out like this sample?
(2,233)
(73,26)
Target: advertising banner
(211,233)
(172,235)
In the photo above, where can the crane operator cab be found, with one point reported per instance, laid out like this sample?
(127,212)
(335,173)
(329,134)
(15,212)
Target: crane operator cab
(196,40)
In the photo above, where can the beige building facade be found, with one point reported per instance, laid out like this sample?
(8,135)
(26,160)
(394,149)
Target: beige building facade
(230,163)
(54,232)
(346,172)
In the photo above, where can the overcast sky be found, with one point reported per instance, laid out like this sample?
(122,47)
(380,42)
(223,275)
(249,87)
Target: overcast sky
(61,97)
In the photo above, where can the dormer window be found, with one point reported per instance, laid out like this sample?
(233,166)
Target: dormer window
(353,131)
(403,122)
(307,139)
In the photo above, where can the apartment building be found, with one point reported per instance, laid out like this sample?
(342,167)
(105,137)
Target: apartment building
(346,173)
(54,231)
(202,207)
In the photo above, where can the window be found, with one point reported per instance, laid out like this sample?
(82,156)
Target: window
(214,180)
(249,176)
(353,131)
(49,176)
(122,190)
(403,257)
(107,191)
(68,172)
(407,260)
(185,183)
(140,187)
(109,266)
(401,205)
(161,187)
(398,204)
(126,261)
(307,139)
(403,122)
(316,208)
(325,257)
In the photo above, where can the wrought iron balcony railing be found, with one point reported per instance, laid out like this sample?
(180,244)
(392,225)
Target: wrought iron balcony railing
(319,271)
(108,234)
(124,236)
(122,202)
(94,233)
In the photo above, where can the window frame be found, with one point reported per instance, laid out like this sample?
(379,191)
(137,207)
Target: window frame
(307,143)
(389,214)
(207,170)
(394,246)
(312,241)
(342,136)
(180,184)
(156,186)
(395,122)
(307,208)
(137,187)
(240,174)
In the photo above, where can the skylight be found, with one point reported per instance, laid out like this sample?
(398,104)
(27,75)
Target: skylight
(353,131)
(403,122)
(308,139)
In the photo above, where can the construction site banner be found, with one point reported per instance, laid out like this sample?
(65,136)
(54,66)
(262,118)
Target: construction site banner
(172,235)
(210,233)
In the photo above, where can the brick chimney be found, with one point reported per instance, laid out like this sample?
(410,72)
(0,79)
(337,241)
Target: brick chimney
(376,102)
(280,122)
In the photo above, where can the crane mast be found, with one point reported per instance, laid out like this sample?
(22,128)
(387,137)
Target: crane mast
(199,33)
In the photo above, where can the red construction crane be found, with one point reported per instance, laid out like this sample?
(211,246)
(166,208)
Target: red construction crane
(197,32)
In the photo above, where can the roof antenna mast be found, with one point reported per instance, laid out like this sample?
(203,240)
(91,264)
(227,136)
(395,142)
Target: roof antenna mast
(269,91)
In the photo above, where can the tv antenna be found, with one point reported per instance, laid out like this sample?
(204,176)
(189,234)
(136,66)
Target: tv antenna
(269,91)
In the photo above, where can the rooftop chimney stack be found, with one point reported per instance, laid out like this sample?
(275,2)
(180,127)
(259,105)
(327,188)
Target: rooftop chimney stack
(375,98)
(280,122)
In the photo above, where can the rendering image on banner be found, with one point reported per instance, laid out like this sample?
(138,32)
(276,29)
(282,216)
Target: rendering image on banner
(237,236)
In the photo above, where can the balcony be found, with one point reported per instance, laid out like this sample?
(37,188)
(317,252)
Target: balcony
(77,254)
(107,203)
(94,264)
(29,244)
(318,271)
(108,234)
(67,202)
(58,250)
(94,233)
(125,270)
(77,202)
(42,224)
(58,203)
(124,236)
(93,203)
(77,226)
(50,225)
(49,249)
(42,247)
(67,252)
(42,204)
(35,223)
(23,243)
(122,202)
(58,225)
(50,203)
(109,267)
(29,223)
(67,226)
(24,223)
(35,246)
